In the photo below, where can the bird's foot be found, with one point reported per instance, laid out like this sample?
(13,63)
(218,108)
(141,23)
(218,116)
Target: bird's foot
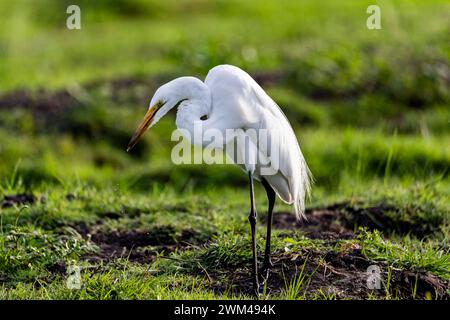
(268,264)
(265,271)
(257,291)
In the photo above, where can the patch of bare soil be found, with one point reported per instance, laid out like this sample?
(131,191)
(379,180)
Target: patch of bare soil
(339,275)
(17,199)
(339,221)
(329,274)
(43,102)
(139,246)
(129,90)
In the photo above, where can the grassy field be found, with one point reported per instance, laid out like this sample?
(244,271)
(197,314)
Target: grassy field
(371,109)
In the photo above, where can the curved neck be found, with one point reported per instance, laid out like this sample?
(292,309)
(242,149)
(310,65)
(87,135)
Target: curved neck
(194,106)
(189,94)
(190,114)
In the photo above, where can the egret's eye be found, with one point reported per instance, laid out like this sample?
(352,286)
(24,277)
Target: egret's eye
(204,117)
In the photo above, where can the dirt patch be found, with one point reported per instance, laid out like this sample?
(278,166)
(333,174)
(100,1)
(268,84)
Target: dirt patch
(339,221)
(269,78)
(71,197)
(18,199)
(126,211)
(129,90)
(332,275)
(140,246)
(41,101)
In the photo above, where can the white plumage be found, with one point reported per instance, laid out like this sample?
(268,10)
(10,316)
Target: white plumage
(234,92)
(229,99)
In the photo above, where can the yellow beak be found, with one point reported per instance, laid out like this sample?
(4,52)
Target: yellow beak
(144,125)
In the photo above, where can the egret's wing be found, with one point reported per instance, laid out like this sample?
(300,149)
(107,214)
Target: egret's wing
(283,149)
(239,102)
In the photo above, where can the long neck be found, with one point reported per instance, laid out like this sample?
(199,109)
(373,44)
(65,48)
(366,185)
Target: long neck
(193,110)
(192,97)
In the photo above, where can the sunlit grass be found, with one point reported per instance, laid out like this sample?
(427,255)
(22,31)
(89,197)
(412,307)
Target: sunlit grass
(370,109)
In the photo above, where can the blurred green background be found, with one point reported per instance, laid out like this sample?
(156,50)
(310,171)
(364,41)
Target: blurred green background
(365,103)
(371,109)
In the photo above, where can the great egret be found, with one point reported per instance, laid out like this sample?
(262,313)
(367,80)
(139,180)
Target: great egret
(229,98)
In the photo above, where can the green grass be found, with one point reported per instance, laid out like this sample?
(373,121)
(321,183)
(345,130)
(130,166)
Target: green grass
(41,236)
(408,254)
(370,109)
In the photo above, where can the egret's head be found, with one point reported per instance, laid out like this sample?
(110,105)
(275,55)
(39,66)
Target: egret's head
(165,98)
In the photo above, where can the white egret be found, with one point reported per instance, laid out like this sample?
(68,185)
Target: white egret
(229,98)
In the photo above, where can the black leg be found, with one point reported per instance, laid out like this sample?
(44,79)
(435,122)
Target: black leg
(271,197)
(252,219)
